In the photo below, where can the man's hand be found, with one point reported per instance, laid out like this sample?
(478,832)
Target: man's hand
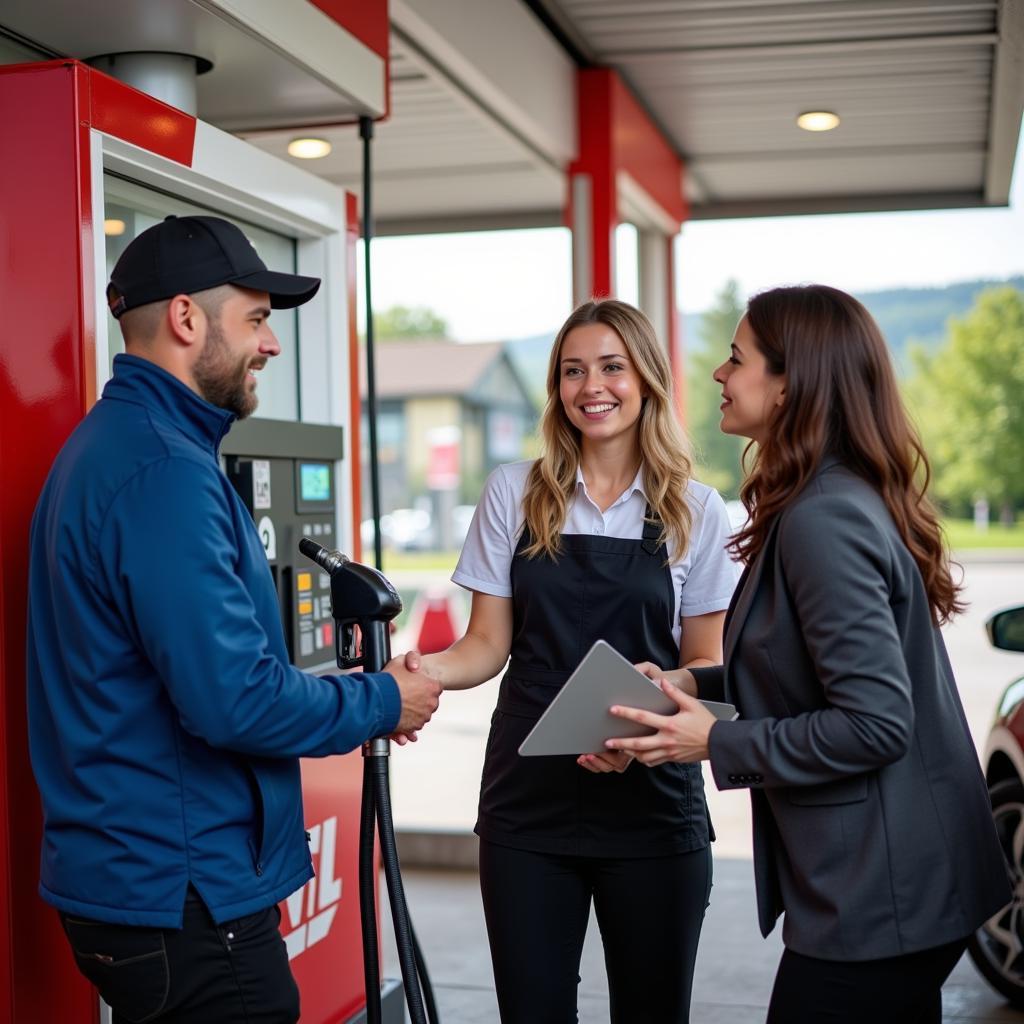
(420,695)
(682,737)
(682,678)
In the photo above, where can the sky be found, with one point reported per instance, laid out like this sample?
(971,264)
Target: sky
(501,285)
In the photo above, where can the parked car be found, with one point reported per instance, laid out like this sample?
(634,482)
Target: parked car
(997,947)
(402,529)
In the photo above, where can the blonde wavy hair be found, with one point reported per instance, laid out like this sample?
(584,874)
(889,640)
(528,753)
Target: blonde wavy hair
(664,450)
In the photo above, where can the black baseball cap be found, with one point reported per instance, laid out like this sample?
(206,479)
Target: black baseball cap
(182,255)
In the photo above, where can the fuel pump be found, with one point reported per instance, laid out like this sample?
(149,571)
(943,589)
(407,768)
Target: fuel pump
(363,605)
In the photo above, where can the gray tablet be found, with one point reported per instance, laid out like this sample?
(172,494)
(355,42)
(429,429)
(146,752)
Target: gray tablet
(578,721)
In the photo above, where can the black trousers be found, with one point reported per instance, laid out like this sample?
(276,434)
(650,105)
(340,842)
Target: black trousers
(896,990)
(649,909)
(232,973)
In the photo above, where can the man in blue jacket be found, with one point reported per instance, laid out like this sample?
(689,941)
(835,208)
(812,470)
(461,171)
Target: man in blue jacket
(165,720)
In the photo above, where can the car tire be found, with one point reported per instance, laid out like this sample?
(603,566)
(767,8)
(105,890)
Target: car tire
(997,947)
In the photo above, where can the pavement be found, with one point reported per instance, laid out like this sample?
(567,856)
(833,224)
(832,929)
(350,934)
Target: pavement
(435,785)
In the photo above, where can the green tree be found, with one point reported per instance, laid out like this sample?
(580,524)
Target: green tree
(718,455)
(409,322)
(968,399)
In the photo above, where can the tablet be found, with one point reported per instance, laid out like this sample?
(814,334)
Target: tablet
(578,721)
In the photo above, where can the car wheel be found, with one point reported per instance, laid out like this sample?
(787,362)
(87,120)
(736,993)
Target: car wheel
(997,947)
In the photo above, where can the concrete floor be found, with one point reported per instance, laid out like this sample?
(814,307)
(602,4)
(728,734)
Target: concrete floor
(735,966)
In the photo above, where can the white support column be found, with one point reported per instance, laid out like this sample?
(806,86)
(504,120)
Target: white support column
(582,239)
(654,285)
(657,292)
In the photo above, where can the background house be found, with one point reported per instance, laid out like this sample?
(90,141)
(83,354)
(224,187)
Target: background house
(447,414)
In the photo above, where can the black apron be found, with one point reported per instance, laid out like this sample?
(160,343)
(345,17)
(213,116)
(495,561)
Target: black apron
(599,588)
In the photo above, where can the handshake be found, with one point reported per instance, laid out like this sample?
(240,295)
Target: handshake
(420,693)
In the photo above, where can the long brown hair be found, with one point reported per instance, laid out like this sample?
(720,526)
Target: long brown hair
(841,397)
(667,464)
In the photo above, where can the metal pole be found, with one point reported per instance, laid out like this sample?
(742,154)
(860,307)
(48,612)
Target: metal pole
(366,134)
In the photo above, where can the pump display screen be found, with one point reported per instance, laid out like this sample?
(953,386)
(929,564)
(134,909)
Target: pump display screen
(315,481)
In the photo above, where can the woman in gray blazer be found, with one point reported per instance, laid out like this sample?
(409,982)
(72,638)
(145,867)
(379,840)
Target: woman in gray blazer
(872,827)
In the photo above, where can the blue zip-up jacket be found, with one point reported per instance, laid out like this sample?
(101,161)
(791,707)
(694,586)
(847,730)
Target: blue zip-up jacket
(165,721)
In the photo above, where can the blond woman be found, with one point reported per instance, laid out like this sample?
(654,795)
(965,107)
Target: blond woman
(605,536)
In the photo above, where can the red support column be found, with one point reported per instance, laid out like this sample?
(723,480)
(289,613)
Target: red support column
(593,202)
(625,163)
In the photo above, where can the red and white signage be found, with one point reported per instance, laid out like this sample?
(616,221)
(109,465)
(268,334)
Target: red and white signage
(443,458)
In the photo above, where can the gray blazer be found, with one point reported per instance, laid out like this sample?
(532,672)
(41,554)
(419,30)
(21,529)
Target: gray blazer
(872,825)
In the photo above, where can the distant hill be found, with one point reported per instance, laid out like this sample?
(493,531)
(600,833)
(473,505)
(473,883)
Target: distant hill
(920,314)
(905,315)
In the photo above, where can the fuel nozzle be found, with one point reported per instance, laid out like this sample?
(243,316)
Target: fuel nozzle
(329,561)
(360,597)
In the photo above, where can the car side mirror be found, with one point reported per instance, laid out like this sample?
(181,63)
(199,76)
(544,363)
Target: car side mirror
(1006,629)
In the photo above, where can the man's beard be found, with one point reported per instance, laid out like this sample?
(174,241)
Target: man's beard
(221,379)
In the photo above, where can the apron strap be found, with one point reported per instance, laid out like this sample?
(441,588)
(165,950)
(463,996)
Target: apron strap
(652,532)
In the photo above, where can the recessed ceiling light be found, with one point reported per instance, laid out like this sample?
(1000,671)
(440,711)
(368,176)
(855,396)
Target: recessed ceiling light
(113,226)
(309,149)
(818,121)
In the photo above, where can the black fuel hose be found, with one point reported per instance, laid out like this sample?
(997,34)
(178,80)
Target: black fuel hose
(421,969)
(379,803)
(396,895)
(368,896)
(419,993)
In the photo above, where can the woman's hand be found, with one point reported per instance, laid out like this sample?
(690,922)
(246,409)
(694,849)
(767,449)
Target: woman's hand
(606,761)
(679,737)
(681,678)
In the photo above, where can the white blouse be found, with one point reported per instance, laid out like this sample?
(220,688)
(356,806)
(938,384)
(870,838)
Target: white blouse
(703,579)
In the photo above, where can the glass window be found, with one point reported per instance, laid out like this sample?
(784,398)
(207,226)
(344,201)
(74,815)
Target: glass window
(131,208)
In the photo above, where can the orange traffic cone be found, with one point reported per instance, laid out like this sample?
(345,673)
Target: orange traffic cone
(437,626)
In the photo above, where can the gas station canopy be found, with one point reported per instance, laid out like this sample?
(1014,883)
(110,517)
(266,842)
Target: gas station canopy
(483,118)
(929,96)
